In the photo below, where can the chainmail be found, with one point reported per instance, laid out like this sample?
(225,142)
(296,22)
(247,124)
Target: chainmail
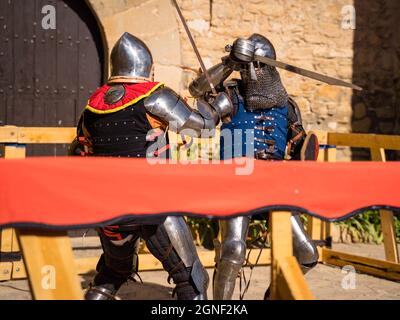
(265,92)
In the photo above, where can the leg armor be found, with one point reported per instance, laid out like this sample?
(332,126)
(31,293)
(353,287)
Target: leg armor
(115,266)
(230,256)
(172,244)
(304,248)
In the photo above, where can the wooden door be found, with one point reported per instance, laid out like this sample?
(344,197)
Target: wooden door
(47,75)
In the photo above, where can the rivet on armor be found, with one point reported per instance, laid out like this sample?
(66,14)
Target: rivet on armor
(1,53)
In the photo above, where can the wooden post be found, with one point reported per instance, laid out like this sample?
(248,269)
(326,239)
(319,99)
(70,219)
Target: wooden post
(8,238)
(387,218)
(14,151)
(287,279)
(317,229)
(389,236)
(50,265)
(314,228)
(378,154)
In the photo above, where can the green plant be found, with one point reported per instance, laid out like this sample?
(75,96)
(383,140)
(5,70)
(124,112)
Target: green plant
(397,224)
(364,227)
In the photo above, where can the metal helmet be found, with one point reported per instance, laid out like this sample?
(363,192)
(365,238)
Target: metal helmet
(262,84)
(263,47)
(131,60)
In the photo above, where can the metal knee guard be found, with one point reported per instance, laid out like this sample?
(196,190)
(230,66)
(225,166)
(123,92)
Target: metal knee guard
(173,245)
(116,265)
(304,249)
(230,256)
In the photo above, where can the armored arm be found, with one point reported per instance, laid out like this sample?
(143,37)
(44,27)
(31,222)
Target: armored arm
(241,53)
(81,145)
(171,108)
(218,74)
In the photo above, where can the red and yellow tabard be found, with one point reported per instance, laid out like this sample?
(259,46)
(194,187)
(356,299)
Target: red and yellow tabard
(133,94)
(123,128)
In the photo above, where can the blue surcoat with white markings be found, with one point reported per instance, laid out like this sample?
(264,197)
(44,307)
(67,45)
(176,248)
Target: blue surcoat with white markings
(251,133)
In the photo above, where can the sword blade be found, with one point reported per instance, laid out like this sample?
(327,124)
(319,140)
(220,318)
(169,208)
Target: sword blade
(203,67)
(307,73)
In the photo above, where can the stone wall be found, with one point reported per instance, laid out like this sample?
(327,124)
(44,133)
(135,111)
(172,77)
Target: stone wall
(305,33)
(377,68)
(153,21)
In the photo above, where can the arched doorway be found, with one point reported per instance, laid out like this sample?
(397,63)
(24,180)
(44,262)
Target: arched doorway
(47,75)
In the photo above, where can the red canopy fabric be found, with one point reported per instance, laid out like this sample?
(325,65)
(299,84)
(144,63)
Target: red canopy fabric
(71,192)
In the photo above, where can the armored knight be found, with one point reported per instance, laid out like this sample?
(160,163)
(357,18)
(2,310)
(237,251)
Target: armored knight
(116,122)
(263,108)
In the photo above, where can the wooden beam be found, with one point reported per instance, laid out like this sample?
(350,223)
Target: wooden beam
(287,279)
(374,267)
(8,134)
(28,135)
(50,265)
(389,236)
(357,140)
(291,281)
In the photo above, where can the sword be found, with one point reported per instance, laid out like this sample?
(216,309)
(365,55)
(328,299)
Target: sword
(307,73)
(203,67)
(244,54)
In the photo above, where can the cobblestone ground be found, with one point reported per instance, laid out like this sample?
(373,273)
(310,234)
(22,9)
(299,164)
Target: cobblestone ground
(325,282)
